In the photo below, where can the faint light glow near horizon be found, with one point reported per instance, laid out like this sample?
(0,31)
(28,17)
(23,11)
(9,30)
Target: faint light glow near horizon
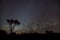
(34,15)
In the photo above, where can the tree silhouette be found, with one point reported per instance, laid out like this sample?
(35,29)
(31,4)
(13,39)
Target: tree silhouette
(10,22)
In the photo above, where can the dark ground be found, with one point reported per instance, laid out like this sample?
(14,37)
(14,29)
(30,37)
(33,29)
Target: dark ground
(31,36)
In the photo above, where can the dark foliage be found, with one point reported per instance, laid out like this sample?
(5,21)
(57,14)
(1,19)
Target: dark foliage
(10,21)
(16,22)
(30,36)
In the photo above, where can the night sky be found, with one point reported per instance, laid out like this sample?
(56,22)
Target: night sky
(34,15)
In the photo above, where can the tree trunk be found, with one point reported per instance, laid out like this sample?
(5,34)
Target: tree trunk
(11,28)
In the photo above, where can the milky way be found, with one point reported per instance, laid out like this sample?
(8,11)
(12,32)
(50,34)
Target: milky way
(34,15)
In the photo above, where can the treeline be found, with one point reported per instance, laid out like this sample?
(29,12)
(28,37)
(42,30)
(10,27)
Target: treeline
(30,36)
